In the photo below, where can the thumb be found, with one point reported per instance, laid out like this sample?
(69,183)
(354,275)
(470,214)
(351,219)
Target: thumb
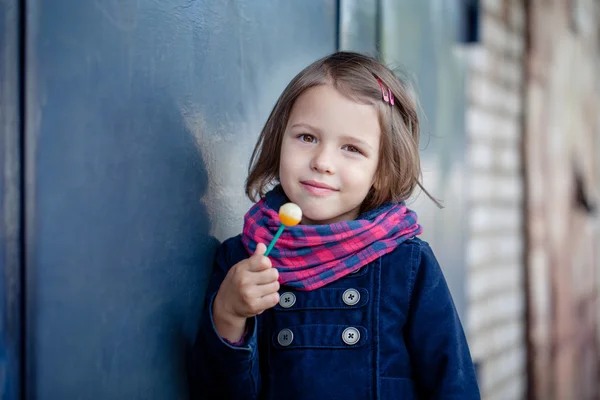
(260,250)
(258,261)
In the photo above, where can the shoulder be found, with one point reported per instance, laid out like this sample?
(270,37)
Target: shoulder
(415,250)
(414,260)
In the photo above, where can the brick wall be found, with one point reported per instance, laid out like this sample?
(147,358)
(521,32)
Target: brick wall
(495,278)
(563,99)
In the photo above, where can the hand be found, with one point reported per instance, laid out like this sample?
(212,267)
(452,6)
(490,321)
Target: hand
(249,288)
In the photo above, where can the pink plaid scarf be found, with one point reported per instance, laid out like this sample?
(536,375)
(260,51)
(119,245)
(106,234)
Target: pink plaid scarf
(311,256)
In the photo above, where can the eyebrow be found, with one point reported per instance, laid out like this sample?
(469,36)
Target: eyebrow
(344,137)
(305,125)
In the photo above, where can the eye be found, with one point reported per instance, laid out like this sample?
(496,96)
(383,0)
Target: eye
(306,138)
(351,149)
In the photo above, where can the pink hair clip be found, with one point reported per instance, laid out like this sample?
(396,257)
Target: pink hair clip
(388,97)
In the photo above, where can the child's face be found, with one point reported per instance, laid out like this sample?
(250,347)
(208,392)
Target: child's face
(329,155)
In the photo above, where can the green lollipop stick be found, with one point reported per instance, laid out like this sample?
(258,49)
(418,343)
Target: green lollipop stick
(272,244)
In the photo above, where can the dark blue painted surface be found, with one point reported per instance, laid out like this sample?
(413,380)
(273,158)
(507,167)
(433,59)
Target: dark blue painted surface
(10,210)
(119,244)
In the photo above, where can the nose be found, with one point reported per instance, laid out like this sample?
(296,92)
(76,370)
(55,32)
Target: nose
(322,161)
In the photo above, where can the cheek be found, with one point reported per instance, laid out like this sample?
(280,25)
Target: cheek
(284,164)
(288,168)
(361,174)
(282,170)
(284,157)
(290,160)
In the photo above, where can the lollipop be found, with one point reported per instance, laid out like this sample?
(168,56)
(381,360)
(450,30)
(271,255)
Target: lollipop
(289,215)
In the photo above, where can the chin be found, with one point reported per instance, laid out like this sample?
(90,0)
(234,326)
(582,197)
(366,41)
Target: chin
(318,217)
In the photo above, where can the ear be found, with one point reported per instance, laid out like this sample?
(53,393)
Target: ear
(375,183)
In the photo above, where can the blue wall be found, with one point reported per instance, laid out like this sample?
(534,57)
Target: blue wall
(123,98)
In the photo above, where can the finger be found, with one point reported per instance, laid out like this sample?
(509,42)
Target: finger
(259,264)
(268,301)
(266,276)
(269,288)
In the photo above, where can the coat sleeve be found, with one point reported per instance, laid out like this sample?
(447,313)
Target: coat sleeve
(217,369)
(436,341)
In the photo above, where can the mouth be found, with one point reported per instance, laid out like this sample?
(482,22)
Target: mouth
(318,188)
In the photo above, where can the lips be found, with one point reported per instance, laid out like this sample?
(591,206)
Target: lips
(318,188)
(318,185)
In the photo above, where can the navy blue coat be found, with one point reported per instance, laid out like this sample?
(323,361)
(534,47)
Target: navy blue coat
(388,331)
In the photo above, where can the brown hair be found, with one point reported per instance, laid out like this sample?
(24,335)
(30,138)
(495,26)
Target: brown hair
(355,76)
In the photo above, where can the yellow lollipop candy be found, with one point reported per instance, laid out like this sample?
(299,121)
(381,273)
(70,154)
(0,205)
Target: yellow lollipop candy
(289,215)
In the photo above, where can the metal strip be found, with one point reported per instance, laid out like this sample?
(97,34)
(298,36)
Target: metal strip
(11,282)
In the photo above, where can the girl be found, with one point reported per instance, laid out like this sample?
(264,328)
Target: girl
(349,304)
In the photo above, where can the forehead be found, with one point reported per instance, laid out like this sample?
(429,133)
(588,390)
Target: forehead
(333,113)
